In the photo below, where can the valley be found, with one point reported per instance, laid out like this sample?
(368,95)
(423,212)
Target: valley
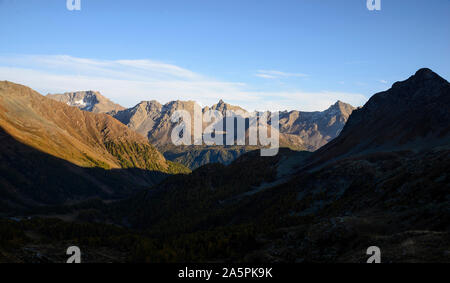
(380,180)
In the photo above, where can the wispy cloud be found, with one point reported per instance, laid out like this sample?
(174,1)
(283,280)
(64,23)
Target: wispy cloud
(130,81)
(272,74)
(265,76)
(383,81)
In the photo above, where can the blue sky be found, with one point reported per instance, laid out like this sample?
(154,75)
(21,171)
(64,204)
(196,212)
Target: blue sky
(261,54)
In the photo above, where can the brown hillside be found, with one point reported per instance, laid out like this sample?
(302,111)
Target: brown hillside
(83,138)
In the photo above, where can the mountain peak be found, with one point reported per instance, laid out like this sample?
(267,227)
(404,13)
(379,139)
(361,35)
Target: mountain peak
(223,106)
(341,108)
(89,100)
(425,73)
(339,104)
(422,78)
(149,102)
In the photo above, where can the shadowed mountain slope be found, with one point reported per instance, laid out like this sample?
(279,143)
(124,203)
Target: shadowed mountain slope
(30,178)
(413,115)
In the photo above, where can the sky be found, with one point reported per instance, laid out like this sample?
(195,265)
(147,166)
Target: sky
(259,54)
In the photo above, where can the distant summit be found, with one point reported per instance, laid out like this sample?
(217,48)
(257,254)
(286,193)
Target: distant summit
(91,101)
(222,107)
(315,129)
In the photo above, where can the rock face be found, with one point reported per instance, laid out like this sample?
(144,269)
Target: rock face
(91,101)
(300,130)
(35,128)
(315,129)
(151,119)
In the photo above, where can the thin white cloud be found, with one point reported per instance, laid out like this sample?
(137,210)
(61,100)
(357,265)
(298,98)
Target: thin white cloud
(383,81)
(272,74)
(266,76)
(128,82)
(153,66)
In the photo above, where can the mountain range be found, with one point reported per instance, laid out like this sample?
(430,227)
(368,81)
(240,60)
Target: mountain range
(298,130)
(383,181)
